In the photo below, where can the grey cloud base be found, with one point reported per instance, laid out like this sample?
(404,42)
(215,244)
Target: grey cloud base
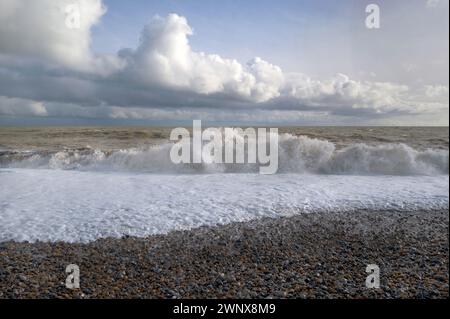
(57,74)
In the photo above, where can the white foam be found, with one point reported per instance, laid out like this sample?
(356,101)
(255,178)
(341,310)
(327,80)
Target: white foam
(77,206)
(297,154)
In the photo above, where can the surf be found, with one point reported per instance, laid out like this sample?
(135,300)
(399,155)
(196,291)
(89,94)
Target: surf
(82,206)
(297,154)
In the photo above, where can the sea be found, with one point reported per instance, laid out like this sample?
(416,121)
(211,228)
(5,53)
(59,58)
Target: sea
(80,184)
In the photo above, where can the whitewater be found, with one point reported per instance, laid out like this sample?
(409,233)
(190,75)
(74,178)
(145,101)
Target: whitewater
(80,195)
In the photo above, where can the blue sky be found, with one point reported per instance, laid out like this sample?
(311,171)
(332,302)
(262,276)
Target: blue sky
(273,30)
(288,61)
(316,37)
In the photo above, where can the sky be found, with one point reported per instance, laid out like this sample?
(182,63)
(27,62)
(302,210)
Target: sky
(288,62)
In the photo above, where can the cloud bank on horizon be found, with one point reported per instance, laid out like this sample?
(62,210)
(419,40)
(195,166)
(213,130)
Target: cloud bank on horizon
(50,70)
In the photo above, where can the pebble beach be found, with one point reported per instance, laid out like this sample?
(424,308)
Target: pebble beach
(306,256)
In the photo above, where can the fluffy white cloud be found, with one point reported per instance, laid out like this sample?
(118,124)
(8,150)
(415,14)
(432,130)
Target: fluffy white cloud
(437,91)
(54,32)
(164,57)
(165,77)
(343,92)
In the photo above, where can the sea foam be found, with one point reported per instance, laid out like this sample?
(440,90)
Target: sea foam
(80,206)
(297,154)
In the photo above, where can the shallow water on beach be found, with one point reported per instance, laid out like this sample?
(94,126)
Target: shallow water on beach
(74,206)
(81,184)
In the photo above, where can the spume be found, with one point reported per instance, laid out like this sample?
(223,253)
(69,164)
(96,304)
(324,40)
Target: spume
(228,145)
(296,154)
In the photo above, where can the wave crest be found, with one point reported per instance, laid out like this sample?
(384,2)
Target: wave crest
(297,154)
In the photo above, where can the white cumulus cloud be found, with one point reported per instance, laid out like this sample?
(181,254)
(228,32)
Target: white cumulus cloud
(165,57)
(44,30)
(48,68)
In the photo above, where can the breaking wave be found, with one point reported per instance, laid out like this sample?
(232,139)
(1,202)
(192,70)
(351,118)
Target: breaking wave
(297,154)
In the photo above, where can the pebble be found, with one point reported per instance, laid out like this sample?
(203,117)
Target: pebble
(305,256)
